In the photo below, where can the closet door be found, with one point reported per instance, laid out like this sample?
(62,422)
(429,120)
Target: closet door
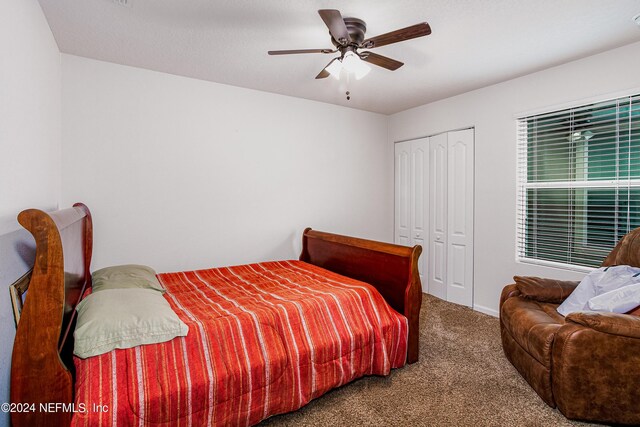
(460,217)
(402,226)
(434,208)
(419,201)
(437,253)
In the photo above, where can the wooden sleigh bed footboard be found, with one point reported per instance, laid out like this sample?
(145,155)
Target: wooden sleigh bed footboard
(391,269)
(42,374)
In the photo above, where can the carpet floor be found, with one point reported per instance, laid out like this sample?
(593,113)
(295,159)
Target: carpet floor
(461,379)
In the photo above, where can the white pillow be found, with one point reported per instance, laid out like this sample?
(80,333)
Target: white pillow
(599,281)
(618,301)
(125,276)
(124,318)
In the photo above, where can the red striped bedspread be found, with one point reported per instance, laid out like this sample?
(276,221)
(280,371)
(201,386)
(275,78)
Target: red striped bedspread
(263,339)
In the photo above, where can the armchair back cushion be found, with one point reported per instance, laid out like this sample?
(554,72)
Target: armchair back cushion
(626,252)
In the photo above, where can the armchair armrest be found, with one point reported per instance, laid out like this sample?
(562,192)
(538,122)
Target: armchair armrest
(508,292)
(610,323)
(544,290)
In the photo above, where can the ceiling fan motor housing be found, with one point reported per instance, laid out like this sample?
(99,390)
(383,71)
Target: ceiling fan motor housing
(356,28)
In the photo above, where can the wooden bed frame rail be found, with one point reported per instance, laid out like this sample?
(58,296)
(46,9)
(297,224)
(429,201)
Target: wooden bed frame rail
(42,370)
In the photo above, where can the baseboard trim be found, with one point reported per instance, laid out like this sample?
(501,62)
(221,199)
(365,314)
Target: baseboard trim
(486,310)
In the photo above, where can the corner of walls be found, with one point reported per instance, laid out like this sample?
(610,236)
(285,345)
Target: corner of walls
(30,132)
(390,196)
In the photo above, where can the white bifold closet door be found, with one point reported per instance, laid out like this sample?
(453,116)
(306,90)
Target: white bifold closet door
(411,192)
(434,208)
(458,205)
(437,251)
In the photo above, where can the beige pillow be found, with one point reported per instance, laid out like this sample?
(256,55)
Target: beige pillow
(126,276)
(124,318)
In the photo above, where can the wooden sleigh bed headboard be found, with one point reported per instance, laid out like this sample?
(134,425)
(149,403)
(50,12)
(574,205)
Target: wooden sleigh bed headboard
(42,362)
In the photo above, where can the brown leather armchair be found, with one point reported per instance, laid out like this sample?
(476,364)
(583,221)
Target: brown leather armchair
(587,364)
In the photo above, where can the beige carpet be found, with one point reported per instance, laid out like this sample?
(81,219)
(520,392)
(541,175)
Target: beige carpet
(461,379)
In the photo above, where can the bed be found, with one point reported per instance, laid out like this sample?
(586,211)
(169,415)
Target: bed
(264,338)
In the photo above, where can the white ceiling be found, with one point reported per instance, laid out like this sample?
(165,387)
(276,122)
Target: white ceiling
(474,43)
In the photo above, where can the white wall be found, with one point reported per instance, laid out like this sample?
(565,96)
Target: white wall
(29,112)
(29,147)
(492,110)
(181,173)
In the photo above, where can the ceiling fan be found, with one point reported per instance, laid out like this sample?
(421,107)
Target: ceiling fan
(347,35)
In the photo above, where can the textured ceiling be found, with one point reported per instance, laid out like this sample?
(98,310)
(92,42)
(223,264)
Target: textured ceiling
(474,43)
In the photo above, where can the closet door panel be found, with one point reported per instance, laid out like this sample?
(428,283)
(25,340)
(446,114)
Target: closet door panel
(419,200)
(437,255)
(460,214)
(402,194)
(457,266)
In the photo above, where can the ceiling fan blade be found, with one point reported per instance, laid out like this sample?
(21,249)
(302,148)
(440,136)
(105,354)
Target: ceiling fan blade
(333,19)
(418,30)
(381,61)
(324,73)
(289,52)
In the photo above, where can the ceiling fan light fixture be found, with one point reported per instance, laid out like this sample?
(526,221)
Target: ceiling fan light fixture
(353,64)
(334,68)
(362,70)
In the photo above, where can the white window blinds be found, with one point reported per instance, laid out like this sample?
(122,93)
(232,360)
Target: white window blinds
(578,182)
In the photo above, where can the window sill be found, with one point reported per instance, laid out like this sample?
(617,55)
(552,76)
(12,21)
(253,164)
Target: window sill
(558,265)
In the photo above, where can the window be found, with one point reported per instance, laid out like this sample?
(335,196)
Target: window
(579,182)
